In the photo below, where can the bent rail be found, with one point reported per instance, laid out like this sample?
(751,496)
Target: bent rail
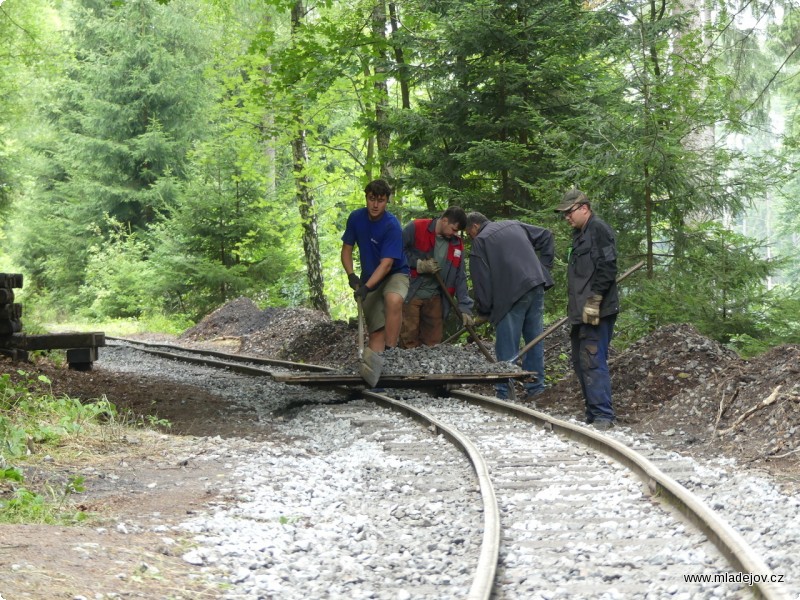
(217,354)
(483,583)
(723,536)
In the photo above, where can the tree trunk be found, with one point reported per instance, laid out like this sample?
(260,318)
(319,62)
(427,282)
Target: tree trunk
(370,158)
(402,67)
(648,204)
(381,89)
(305,200)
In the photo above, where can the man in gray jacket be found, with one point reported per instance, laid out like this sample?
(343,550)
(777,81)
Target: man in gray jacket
(592,303)
(509,280)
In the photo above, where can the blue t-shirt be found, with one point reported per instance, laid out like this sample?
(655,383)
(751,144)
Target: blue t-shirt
(375,240)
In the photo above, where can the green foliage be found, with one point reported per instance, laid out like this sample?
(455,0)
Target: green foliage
(25,50)
(787,231)
(26,506)
(222,240)
(11,474)
(121,118)
(502,78)
(747,346)
(717,284)
(776,322)
(159,178)
(117,275)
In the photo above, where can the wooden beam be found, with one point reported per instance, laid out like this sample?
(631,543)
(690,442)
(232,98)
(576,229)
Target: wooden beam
(53,341)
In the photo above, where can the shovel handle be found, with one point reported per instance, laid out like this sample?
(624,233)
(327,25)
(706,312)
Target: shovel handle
(455,335)
(360,328)
(469,328)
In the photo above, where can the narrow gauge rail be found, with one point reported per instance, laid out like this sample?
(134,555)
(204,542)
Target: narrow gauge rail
(565,542)
(566,511)
(252,365)
(239,363)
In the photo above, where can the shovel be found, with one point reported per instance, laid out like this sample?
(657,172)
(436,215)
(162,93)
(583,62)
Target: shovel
(469,328)
(371,363)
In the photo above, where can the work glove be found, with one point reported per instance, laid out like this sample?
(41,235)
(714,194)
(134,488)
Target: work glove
(467,320)
(361,292)
(428,265)
(354,281)
(480,320)
(591,310)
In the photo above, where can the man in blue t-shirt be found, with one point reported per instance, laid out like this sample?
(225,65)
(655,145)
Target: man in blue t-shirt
(383,284)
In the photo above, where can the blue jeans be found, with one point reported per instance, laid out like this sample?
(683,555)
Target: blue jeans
(525,319)
(590,361)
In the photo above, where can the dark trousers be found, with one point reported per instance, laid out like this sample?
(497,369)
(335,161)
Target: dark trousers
(422,322)
(590,360)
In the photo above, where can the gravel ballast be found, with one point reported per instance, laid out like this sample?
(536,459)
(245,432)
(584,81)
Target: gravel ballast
(320,509)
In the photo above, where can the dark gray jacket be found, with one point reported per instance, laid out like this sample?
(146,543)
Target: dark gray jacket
(504,265)
(592,269)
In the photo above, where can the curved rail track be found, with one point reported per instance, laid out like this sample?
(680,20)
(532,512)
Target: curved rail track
(554,505)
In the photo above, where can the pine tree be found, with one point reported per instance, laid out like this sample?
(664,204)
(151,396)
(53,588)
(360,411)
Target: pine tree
(122,120)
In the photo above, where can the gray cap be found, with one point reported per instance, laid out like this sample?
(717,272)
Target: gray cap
(571,198)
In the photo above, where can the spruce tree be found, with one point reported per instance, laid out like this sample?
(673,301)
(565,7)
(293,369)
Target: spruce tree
(122,119)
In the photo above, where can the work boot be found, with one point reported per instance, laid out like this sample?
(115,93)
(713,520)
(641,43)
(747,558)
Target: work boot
(531,395)
(602,424)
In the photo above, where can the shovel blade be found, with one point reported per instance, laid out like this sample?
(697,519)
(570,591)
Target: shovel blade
(370,367)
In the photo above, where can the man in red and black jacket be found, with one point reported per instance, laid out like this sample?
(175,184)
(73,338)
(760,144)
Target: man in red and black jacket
(434,246)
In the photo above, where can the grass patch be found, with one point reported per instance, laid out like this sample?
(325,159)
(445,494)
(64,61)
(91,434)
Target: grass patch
(123,327)
(35,423)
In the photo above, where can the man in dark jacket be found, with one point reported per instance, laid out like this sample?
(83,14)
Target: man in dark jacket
(593,303)
(509,281)
(434,246)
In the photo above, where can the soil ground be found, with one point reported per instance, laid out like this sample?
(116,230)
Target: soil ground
(688,392)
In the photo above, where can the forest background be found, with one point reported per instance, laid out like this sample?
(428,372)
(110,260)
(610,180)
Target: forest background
(161,157)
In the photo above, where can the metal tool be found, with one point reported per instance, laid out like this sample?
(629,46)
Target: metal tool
(371,363)
(560,322)
(469,328)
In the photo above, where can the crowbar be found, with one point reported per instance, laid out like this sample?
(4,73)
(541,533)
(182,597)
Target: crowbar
(560,322)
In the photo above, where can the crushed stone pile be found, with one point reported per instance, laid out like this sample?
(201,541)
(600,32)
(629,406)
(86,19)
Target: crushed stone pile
(273,332)
(329,343)
(436,360)
(233,319)
(282,328)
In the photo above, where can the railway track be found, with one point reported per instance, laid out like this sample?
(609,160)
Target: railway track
(560,518)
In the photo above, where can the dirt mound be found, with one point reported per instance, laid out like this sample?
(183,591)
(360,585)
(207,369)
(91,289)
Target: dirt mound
(751,410)
(236,318)
(651,372)
(676,383)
